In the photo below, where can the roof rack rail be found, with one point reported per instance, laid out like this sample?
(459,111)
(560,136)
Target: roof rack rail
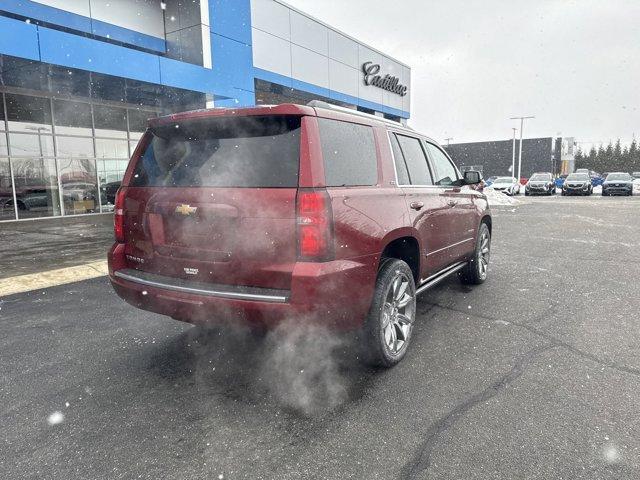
(330,106)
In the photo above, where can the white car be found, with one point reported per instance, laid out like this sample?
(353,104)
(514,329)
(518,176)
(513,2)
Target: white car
(508,185)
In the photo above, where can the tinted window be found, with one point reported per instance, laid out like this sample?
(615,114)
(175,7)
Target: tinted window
(223,152)
(401,167)
(349,153)
(416,160)
(445,173)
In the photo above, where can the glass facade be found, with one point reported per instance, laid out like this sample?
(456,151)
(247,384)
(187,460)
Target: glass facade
(63,157)
(66,135)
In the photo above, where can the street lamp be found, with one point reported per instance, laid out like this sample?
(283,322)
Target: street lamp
(448,140)
(522,119)
(513,153)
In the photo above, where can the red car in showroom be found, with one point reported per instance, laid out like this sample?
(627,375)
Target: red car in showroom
(314,213)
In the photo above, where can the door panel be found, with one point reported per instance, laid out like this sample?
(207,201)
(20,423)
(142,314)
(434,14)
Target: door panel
(462,216)
(432,221)
(427,207)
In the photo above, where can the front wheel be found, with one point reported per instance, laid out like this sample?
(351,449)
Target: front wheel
(389,324)
(475,272)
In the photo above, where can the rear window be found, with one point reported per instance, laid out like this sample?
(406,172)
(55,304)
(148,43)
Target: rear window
(222,152)
(349,153)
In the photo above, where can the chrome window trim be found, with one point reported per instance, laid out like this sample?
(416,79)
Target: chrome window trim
(393,158)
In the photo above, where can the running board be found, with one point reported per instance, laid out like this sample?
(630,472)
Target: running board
(433,280)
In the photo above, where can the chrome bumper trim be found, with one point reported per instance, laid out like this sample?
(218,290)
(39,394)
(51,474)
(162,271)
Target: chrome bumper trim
(200,289)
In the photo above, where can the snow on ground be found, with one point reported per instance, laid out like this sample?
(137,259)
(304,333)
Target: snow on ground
(499,198)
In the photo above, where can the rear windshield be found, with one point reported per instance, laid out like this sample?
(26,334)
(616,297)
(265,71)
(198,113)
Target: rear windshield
(222,152)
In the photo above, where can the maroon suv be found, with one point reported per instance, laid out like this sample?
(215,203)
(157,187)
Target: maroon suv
(312,213)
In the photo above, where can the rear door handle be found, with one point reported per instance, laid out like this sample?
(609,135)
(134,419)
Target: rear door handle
(416,205)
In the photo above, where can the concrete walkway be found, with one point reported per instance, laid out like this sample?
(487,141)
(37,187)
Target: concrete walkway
(42,253)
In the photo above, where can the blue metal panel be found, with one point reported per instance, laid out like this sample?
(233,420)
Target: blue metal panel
(272,77)
(19,39)
(231,19)
(231,51)
(44,13)
(73,51)
(131,37)
(232,62)
(316,90)
(186,75)
(73,21)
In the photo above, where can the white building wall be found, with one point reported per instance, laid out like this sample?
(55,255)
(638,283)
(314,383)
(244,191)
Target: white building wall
(290,43)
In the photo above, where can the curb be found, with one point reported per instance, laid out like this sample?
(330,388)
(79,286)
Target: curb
(51,278)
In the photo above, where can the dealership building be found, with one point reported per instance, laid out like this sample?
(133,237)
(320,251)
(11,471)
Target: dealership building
(79,79)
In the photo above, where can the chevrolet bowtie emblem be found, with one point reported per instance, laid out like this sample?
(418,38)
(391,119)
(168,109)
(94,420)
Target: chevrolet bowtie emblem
(186,209)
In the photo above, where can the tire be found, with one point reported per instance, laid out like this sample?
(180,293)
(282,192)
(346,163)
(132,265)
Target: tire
(387,321)
(476,270)
(563,194)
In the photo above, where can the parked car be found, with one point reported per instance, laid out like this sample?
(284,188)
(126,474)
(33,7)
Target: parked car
(540,184)
(583,170)
(635,175)
(577,184)
(489,181)
(308,213)
(508,185)
(618,183)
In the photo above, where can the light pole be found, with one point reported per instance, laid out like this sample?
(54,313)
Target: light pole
(448,140)
(513,153)
(522,119)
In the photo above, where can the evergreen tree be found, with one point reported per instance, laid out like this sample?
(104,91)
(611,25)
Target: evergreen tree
(634,157)
(617,162)
(580,159)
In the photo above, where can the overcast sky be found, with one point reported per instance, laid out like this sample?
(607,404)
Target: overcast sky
(575,65)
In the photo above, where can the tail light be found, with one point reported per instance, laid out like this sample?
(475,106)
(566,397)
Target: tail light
(118,217)
(314,222)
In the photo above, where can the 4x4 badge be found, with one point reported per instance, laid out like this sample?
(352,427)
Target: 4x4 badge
(186,209)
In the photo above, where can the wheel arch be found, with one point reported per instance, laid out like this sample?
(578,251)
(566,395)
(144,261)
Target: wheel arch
(403,245)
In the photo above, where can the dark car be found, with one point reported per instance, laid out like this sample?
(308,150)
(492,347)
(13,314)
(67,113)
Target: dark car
(577,184)
(306,213)
(108,192)
(617,183)
(540,184)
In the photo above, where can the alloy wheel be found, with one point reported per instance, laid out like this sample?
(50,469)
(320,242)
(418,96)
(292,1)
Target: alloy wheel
(398,314)
(483,253)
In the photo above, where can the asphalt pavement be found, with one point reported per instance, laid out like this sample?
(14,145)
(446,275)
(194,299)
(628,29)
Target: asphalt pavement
(534,374)
(33,246)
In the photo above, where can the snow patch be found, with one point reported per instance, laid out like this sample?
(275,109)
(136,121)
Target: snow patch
(499,198)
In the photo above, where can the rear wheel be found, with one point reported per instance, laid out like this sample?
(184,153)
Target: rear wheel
(389,324)
(476,270)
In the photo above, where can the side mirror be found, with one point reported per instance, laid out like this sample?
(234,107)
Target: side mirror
(471,177)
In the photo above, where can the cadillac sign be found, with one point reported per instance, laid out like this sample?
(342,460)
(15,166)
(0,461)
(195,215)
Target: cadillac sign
(388,82)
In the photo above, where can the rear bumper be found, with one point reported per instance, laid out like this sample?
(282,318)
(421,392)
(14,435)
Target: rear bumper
(336,293)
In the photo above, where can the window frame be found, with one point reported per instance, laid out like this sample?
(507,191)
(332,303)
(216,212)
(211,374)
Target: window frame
(376,147)
(395,170)
(456,182)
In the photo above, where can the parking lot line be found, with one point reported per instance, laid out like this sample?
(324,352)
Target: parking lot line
(51,278)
